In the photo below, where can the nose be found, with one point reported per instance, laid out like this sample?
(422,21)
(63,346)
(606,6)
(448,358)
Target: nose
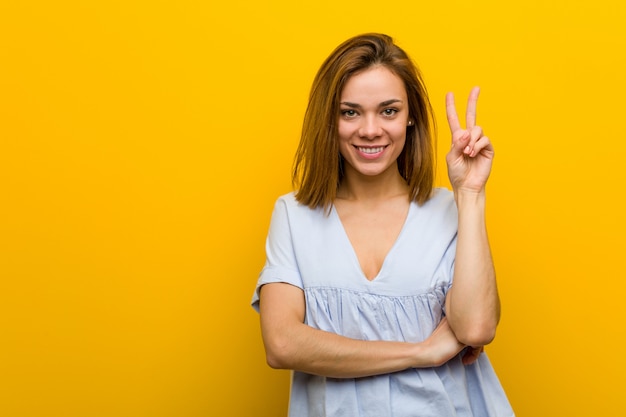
(370,128)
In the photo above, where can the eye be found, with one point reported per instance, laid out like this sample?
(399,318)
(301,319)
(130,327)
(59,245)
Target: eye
(390,112)
(348,113)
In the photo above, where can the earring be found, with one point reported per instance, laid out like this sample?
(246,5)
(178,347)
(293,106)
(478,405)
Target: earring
(410,122)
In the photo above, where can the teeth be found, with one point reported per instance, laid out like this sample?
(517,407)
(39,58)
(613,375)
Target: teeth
(371,150)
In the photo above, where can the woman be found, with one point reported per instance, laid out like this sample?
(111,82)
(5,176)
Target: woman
(379,291)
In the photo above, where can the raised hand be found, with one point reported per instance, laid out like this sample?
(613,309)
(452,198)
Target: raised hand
(471,155)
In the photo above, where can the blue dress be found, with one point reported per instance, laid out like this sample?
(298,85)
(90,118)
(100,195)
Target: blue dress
(405,302)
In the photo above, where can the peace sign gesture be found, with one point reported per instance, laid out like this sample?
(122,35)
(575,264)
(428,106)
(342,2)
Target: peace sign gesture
(469,160)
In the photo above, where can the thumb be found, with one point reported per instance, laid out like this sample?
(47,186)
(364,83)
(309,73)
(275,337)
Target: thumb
(460,142)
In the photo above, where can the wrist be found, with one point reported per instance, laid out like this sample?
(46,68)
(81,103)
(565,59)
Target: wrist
(423,354)
(465,197)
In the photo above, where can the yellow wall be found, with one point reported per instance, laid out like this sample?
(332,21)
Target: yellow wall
(142,144)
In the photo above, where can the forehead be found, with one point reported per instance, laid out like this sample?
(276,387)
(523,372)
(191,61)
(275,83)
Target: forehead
(376,84)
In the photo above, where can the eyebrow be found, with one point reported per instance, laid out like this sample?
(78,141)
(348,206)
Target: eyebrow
(382,104)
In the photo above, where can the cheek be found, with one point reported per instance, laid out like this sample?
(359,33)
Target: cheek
(398,132)
(344,130)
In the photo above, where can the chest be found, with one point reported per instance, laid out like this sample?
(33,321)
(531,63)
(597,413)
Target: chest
(372,233)
(326,258)
(411,251)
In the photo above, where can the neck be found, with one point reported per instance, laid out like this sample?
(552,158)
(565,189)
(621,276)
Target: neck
(356,186)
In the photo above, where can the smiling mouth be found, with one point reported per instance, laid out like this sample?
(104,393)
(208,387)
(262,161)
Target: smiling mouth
(377,149)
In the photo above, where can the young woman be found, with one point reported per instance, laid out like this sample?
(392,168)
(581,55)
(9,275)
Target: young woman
(379,290)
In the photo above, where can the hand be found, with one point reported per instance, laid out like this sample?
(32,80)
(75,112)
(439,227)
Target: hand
(442,344)
(470,158)
(472,354)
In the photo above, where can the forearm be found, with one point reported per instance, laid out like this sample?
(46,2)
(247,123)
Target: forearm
(472,305)
(292,344)
(303,348)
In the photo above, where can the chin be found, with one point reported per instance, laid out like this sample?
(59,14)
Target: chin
(371,171)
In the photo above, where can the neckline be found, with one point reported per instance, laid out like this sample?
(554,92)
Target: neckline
(354,255)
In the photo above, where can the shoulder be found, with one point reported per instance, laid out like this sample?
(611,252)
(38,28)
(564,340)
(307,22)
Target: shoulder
(439,211)
(441,200)
(288,199)
(290,202)
(286,205)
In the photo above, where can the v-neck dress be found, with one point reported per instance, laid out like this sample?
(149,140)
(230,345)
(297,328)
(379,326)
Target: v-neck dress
(405,302)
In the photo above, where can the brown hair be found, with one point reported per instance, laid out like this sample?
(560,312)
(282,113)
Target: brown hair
(317,167)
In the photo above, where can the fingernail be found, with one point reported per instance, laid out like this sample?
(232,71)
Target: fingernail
(467,149)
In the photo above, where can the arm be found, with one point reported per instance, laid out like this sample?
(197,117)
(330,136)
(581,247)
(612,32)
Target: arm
(472,304)
(291,344)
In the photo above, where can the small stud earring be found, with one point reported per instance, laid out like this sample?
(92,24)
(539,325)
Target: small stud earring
(410,122)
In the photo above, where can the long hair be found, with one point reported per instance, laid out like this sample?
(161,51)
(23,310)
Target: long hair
(318,165)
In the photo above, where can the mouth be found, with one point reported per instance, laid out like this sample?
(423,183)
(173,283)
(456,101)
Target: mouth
(370,150)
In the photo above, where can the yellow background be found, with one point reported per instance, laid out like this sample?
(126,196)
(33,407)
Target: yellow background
(143,143)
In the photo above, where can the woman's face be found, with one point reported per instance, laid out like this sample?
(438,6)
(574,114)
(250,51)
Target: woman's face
(373,119)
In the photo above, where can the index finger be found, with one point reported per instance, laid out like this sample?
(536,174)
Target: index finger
(470,117)
(453,119)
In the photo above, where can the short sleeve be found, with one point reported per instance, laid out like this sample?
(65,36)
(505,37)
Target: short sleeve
(446,268)
(280,264)
(448,234)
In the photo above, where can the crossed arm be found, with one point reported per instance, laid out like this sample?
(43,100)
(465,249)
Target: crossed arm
(291,344)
